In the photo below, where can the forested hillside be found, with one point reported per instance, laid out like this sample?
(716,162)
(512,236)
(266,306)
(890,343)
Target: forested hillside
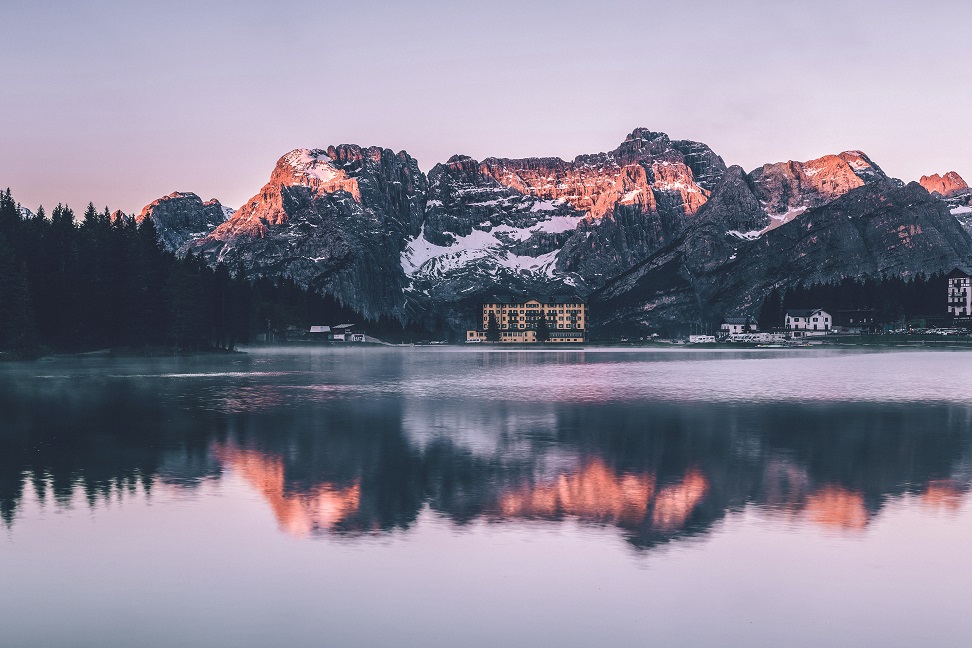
(106,282)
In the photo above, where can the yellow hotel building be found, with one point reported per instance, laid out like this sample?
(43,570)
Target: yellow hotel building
(517,319)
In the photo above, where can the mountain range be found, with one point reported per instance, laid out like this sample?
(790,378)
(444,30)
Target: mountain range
(655,233)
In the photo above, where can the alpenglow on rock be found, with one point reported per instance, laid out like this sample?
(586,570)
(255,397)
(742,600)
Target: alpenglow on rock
(656,229)
(879,229)
(946,186)
(334,220)
(548,225)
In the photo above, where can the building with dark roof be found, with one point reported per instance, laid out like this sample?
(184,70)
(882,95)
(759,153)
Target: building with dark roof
(861,321)
(808,321)
(736,325)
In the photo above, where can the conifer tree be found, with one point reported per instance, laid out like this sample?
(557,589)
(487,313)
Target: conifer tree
(492,329)
(543,330)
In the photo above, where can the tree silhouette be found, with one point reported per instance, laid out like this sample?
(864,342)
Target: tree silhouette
(492,329)
(543,330)
(107,282)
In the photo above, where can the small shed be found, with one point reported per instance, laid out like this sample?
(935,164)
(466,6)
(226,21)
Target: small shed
(319,332)
(342,332)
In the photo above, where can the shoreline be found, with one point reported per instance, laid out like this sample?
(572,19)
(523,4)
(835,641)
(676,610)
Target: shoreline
(901,342)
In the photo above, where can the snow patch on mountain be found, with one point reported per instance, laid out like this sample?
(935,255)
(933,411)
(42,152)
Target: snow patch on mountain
(312,162)
(426,258)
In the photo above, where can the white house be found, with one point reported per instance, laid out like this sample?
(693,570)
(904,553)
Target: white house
(813,321)
(735,325)
(959,294)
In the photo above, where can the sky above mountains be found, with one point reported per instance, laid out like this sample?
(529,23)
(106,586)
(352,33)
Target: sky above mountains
(121,102)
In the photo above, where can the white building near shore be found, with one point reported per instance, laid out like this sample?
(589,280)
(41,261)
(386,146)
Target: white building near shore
(813,321)
(735,325)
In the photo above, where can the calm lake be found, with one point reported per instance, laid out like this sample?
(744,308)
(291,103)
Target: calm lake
(457,497)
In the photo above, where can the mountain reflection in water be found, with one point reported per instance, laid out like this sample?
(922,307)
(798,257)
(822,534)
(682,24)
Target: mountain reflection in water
(358,457)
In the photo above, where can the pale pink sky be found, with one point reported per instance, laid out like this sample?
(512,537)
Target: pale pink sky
(120,102)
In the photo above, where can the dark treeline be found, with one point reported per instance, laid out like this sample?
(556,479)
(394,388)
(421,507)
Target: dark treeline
(892,299)
(107,283)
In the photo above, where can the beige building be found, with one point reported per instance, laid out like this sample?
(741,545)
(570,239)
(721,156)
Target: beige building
(517,319)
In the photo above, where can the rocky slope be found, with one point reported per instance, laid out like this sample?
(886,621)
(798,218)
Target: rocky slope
(181,218)
(946,186)
(876,229)
(657,229)
(548,225)
(954,192)
(788,189)
(335,220)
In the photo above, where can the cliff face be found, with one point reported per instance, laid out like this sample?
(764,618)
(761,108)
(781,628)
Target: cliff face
(946,186)
(876,229)
(659,230)
(548,225)
(787,189)
(334,220)
(181,218)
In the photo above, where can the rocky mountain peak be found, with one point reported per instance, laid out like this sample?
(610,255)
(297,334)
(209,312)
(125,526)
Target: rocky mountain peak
(182,217)
(330,219)
(862,166)
(946,186)
(641,133)
(790,188)
(314,168)
(733,206)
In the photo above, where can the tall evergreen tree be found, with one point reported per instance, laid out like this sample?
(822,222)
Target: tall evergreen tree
(492,329)
(543,329)
(771,313)
(16,318)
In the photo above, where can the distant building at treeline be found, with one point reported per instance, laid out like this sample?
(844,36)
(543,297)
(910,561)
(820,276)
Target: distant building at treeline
(959,293)
(800,322)
(531,319)
(736,325)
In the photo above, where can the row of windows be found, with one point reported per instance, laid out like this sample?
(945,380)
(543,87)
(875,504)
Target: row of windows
(530,312)
(498,306)
(528,318)
(529,327)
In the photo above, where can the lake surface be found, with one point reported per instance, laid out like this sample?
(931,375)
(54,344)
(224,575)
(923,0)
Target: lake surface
(456,497)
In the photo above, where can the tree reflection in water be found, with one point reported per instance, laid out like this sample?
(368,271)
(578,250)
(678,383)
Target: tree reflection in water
(336,461)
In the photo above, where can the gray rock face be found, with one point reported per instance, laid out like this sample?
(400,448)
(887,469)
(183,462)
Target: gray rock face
(790,188)
(335,221)
(181,218)
(548,225)
(659,230)
(877,229)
